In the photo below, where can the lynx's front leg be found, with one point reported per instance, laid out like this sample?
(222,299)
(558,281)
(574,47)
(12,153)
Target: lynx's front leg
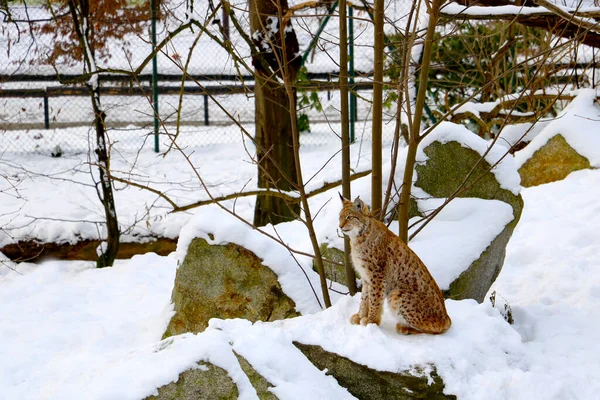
(376,298)
(364,305)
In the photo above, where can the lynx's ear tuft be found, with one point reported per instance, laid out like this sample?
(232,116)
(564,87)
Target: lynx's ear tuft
(341,198)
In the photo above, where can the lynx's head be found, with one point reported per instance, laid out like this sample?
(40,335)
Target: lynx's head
(354,217)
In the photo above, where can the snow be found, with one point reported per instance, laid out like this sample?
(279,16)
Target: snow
(577,123)
(65,315)
(478,221)
(71,329)
(293,270)
(129,52)
(505,170)
(476,108)
(553,285)
(457,9)
(578,6)
(523,132)
(33,209)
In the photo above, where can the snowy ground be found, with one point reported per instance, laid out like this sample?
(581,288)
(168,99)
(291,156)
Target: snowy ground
(71,329)
(32,207)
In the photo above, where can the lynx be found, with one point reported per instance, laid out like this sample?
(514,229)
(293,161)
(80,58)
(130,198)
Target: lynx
(390,269)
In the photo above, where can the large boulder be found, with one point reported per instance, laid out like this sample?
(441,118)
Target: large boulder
(448,164)
(567,143)
(552,162)
(368,384)
(224,281)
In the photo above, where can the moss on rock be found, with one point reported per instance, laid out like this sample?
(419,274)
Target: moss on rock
(208,382)
(552,162)
(448,166)
(224,281)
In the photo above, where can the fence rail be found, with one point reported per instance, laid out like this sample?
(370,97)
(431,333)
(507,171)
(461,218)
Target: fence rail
(160,77)
(58,91)
(206,92)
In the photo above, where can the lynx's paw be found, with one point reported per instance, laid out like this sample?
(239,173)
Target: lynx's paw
(365,321)
(355,319)
(406,330)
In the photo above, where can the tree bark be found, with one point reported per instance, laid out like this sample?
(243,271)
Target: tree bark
(106,257)
(80,12)
(376,132)
(276,167)
(567,28)
(274,133)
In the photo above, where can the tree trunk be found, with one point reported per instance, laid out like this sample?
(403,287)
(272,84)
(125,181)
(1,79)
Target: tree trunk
(274,133)
(107,255)
(377,123)
(80,12)
(276,167)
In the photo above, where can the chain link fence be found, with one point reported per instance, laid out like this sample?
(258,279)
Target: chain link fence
(40,111)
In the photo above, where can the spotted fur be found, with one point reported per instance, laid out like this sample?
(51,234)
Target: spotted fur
(390,269)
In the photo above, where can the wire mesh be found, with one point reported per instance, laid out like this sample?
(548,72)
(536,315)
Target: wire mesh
(40,111)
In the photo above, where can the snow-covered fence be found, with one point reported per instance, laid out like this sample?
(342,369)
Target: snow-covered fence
(35,110)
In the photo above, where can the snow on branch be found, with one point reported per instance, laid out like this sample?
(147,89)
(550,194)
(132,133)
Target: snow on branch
(566,22)
(511,11)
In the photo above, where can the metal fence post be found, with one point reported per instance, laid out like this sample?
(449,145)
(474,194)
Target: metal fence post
(154,75)
(315,38)
(206,121)
(351,72)
(46,111)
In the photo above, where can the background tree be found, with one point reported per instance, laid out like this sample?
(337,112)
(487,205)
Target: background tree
(83,31)
(110,21)
(277,56)
(499,60)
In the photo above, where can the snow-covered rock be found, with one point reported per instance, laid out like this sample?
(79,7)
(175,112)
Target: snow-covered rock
(224,281)
(488,205)
(569,143)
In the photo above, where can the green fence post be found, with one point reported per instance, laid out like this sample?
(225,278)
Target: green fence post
(154,75)
(315,38)
(46,110)
(351,72)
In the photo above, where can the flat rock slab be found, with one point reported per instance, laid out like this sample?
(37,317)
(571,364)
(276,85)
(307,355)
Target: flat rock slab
(368,384)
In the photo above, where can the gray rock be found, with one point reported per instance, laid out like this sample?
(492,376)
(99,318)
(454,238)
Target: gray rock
(208,383)
(334,272)
(211,382)
(224,281)
(444,171)
(368,384)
